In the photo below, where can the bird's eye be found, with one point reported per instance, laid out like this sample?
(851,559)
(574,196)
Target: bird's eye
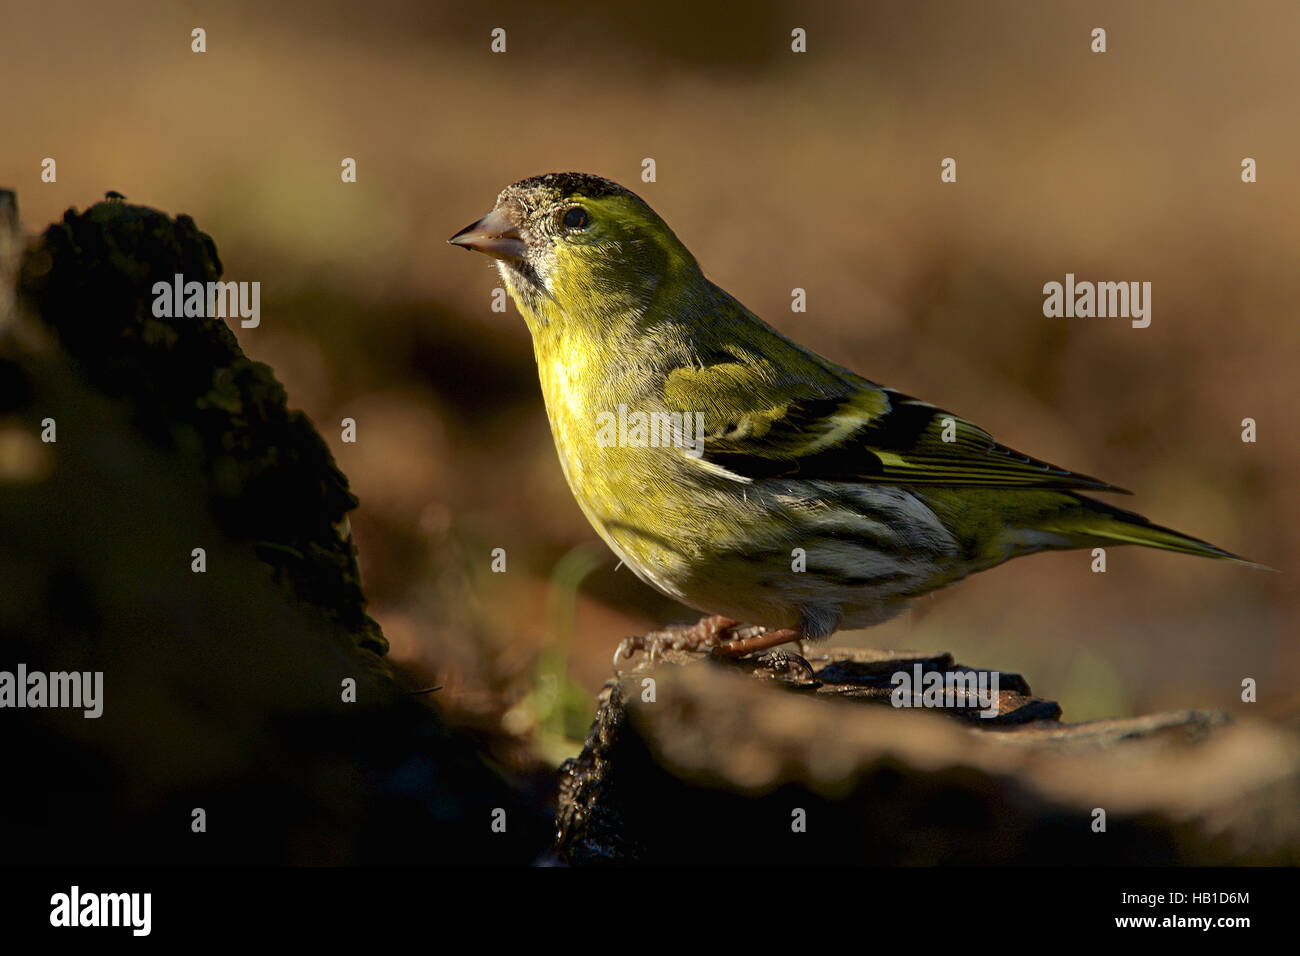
(575,217)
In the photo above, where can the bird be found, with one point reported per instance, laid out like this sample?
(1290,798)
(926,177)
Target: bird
(781,495)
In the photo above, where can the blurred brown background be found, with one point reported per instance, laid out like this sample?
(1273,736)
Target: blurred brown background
(778,170)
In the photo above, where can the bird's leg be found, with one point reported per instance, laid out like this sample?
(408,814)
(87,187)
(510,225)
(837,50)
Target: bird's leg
(741,646)
(692,637)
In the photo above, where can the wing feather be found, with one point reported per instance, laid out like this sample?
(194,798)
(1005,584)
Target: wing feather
(846,428)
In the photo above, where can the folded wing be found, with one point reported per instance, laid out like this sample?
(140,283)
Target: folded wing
(845,428)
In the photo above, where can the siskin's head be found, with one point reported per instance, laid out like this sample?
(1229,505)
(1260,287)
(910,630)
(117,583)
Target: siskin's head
(576,247)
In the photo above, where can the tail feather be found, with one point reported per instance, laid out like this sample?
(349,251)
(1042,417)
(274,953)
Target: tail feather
(1098,523)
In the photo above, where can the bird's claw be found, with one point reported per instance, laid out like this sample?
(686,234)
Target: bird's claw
(708,633)
(652,645)
(626,648)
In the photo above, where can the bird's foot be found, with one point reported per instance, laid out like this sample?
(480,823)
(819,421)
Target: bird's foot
(702,636)
(758,639)
(720,636)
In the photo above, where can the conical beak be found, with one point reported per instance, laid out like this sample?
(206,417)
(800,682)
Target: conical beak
(496,235)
